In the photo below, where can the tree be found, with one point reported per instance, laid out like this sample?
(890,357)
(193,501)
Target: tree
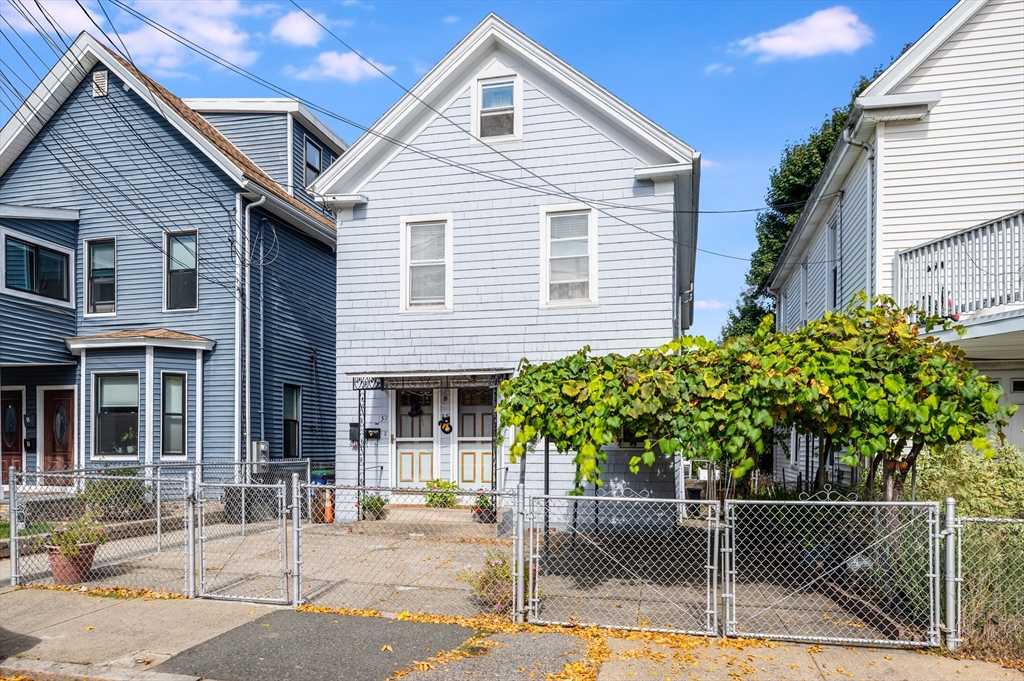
(865,381)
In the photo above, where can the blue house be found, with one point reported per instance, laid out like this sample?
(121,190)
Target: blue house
(166,281)
(507,207)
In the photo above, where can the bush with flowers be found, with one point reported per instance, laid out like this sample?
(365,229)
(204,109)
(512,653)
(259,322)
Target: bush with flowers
(494,581)
(69,536)
(441,494)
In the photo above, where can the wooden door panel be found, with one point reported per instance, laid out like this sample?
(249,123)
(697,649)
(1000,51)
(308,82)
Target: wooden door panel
(11,411)
(468,467)
(58,430)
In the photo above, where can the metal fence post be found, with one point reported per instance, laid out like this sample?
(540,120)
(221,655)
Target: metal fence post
(159,513)
(519,537)
(190,534)
(296,531)
(12,512)
(951,610)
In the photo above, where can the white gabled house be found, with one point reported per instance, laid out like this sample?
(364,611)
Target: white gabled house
(922,198)
(507,207)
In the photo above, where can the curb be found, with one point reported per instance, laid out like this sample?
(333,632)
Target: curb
(41,670)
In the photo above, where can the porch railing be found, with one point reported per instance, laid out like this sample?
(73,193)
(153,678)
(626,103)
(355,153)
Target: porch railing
(971,270)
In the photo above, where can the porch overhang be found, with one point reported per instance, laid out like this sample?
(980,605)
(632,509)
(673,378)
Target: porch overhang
(423,380)
(157,338)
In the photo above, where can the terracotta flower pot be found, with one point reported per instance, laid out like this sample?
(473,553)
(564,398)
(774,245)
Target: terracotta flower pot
(71,569)
(375,515)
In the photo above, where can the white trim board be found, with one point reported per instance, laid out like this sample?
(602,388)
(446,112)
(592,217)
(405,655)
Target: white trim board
(35,241)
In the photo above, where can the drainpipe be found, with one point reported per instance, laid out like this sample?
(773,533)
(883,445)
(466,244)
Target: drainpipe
(263,387)
(849,139)
(247,432)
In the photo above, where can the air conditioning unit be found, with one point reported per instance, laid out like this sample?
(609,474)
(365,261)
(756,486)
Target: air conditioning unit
(259,453)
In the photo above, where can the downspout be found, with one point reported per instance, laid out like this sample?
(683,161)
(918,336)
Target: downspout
(247,433)
(263,388)
(849,139)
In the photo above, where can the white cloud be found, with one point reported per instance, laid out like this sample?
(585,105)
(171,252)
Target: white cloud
(296,28)
(348,67)
(706,163)
(716,68)
(450,19)
(710,305)
(68,17)
(836,29)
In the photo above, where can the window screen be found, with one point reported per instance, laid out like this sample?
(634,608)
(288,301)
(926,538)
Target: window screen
(117,414)
(569,259)
(497,109)
(182,272)
(101,276)
(427,282)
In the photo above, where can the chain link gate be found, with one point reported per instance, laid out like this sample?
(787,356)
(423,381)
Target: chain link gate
(625,563)
(242,548)
(845,571)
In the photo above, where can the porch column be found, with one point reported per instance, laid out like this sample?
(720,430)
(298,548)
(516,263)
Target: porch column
(83,392)
(149,404)
(199,406)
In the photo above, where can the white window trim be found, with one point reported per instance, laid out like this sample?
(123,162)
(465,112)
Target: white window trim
(69,252)
(298,414)
(403,278)
(93,456)
(166,258)
(184,413)
(497,73)
(545,247)
(86,290)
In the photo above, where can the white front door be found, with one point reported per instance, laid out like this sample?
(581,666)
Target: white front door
(475,433)
(415,462)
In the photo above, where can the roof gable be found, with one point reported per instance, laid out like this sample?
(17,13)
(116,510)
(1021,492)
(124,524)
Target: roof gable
(495,40)
(78,61)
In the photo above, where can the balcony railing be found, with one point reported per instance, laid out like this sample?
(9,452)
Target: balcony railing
(975,269)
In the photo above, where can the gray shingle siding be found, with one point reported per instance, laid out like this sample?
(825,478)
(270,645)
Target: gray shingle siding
(263,137)
(497,319)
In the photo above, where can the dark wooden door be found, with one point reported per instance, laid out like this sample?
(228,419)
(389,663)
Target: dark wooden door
(58,430)
(11,410)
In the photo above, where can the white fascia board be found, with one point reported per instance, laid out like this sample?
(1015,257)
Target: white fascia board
(354,169)
(662,172)
(8,210)
(76,345)
(73,66)
(925,46)
(295,217)
(270,105)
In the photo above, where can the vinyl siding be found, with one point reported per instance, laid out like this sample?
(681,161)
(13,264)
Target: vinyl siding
(33,331)
(496,319)
(134,177)
(299,331)
(963,164)
(263,137)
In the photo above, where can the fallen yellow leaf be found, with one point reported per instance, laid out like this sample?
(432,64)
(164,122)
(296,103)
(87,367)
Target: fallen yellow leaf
(387,648)
(89,628)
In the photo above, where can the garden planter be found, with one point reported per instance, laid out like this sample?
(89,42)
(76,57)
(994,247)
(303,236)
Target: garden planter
(375,515)
(485,515)
(72,569)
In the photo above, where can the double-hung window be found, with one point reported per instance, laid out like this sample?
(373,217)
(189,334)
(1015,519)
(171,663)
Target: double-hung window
(182,279)
(427,263)
(313,162)
(102,288)
(497,108)
(117,414)
(35,269)
(569,256)
(291,421)
(172,433)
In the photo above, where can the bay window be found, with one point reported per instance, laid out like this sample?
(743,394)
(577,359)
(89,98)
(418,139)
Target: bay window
(117,415)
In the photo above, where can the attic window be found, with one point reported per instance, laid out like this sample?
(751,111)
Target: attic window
(313,162)
(99,83)
(497,109)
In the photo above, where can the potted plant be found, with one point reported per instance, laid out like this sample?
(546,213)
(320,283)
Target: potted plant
(375,507)
(71,546)
(484,510)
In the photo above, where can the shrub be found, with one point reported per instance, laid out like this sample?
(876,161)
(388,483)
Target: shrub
(484,502)
(69,535)
(492,582)
(374,503)
(119,494)
(439,497)
(983,487)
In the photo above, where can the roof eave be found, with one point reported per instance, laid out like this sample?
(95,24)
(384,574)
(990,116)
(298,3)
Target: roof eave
(77,344)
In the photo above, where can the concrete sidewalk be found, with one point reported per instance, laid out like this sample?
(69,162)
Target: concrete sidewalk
(182,640)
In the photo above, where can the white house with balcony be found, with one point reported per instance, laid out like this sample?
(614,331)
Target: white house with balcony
(922,199)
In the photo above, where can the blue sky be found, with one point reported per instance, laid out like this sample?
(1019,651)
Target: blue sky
(735,80)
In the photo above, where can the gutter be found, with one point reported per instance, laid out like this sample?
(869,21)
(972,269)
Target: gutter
(310,225)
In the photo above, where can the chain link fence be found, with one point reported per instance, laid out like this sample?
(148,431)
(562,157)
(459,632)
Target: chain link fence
(990,597)
(243,541)
(441,551)
(117,528)
(631,563)
(833,571)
